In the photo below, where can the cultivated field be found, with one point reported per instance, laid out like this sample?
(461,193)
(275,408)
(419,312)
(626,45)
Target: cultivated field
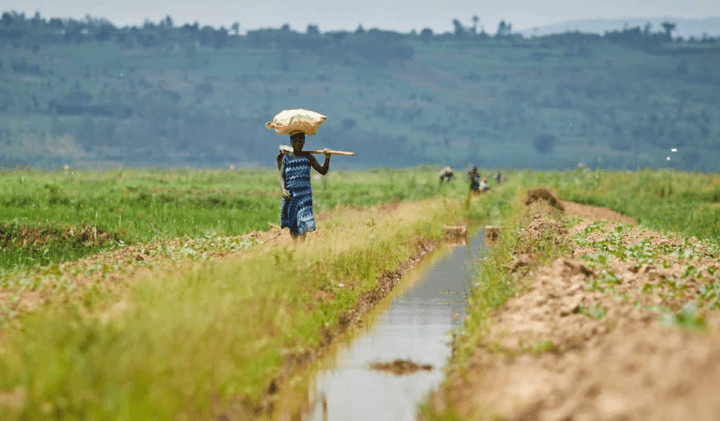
(581,313)
(173,294)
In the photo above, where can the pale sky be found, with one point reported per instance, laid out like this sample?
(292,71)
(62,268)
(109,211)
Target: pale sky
(395,15)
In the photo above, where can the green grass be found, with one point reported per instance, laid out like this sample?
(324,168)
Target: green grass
(137,206)
(687,203)
(195,344)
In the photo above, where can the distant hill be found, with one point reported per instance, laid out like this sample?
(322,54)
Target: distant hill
(87,93)
(686,28)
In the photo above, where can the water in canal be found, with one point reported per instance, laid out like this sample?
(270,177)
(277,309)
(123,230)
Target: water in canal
(417,326)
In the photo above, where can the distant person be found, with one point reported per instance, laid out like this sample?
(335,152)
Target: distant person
(296,211)
(474,177)
(447,174)
(498,178)
(484,185)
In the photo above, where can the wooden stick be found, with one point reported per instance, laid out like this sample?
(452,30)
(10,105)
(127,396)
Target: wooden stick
(333,152)
(287,149)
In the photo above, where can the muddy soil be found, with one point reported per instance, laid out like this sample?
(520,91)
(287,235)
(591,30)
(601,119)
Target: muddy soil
(400,367)
(620,329)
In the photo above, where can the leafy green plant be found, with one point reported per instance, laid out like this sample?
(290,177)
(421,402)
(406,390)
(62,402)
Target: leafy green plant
(687,318)
(594,311)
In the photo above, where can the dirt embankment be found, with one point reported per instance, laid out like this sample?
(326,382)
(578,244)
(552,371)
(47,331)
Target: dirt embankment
(620,329)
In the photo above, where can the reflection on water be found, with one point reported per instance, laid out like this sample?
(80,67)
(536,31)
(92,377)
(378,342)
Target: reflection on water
(417,327)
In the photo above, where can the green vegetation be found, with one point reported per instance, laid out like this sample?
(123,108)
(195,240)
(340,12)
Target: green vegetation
(681,204)
(593,311)
(51,216)
(85,93)
(686,203)
(497,280)
(210,340)
(174,344)
(687,318)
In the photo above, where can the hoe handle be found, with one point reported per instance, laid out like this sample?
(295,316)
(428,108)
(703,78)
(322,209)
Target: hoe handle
(287,149)
(334,152)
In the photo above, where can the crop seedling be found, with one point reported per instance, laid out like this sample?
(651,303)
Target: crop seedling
(594,311)
(687,318)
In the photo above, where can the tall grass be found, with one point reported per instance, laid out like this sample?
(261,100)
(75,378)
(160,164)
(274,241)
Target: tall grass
(197,344)
(688,203)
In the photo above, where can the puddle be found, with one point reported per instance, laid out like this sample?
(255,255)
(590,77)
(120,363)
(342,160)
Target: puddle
(413,332)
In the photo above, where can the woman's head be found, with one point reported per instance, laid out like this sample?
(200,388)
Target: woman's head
(297,139)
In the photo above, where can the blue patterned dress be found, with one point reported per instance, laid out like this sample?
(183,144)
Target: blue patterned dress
(296,212)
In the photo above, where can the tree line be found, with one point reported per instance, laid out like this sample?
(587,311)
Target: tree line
(372,44)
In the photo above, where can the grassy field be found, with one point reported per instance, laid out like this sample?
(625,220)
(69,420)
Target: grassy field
(687,203)
(52,216)
(172,342)
(185,338)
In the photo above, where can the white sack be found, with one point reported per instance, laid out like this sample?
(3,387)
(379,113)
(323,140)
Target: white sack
(290,120)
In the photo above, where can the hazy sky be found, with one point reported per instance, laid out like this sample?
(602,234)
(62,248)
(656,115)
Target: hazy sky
(397,15)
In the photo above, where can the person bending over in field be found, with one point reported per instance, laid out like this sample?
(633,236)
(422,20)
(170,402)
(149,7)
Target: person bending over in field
(446,174)
(484,185)
(474,177)
(296,211)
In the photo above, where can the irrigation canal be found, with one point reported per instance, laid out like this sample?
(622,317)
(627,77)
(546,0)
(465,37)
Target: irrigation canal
(415,329)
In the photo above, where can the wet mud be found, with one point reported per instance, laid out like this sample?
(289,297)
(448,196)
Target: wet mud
(621,328)
(400,367)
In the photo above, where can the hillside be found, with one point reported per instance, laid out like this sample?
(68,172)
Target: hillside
(89,94)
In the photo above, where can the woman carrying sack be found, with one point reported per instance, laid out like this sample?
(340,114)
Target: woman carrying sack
(294,164)
(296,211)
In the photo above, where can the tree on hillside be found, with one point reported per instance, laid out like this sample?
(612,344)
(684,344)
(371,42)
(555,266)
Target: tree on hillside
(7,19)
(426,34)
(647,28)
(236,28)
(312,30)
(504,29)
(458,29)
(668,27)
(475,20)
(167,22)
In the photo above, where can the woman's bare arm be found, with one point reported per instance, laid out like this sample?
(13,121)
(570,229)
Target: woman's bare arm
(325,168)
(281,167)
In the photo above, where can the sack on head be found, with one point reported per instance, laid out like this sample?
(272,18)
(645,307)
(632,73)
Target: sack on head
(289,121)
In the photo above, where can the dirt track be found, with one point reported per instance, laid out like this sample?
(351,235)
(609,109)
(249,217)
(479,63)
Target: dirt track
(603,334)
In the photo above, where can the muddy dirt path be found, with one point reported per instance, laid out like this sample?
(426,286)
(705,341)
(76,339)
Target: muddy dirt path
(621,329)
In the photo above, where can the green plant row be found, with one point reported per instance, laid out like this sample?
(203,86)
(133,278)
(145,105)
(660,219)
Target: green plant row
(210,341)
(668,200)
